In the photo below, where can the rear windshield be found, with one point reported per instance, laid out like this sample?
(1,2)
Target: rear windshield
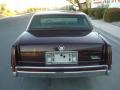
(41,22)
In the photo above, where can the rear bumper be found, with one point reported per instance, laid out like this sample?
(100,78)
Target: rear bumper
(83,71)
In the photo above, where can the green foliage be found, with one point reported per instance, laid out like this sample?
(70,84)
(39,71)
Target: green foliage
(4,11)
(99,13)
(91,12)
(85,11)
(68,7)
(103,6)
(8,13)
(35,9)
(96,12)
(74,2)
(71,8)
(112,14)
(2,8)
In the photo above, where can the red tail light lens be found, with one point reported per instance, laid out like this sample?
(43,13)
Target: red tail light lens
(109,56)
(13,59)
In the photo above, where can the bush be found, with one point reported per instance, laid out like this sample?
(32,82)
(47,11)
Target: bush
(71,8)
(99,13)
(85,11)
(91,12)
(8,13)
(112,14)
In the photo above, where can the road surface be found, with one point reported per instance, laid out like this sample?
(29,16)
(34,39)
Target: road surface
(11,28)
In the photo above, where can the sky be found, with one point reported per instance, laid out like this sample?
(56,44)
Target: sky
(21,4)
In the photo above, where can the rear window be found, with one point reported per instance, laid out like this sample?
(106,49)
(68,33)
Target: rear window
(42,22)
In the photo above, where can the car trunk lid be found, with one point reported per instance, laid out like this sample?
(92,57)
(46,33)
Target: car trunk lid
(32,49)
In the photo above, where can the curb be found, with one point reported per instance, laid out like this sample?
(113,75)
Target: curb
(3,17)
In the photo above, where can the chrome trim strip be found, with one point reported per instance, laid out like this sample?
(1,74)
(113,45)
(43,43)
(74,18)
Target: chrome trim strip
(63,67)
(36,72)
(62,51)
(87,71)
(60,72)
(63,74)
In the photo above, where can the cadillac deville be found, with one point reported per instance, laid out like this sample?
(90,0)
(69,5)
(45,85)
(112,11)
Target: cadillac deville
(60,44)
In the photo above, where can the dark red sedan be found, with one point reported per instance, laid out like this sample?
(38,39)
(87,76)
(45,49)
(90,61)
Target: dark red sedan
(60,44)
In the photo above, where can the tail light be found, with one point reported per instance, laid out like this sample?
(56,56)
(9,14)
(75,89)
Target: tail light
(30,56)
(13,59)
(90,55)
(109,56)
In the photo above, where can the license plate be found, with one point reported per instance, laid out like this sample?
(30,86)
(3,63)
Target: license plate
(64,57)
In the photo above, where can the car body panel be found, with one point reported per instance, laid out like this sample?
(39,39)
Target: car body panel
(90,38)
(28,55)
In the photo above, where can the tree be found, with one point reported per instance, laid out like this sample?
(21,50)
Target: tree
(2,7)
(74,2)
(88,3)
(68,7)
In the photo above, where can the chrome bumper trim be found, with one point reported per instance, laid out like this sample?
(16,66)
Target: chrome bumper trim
(36,72)
(96,66)
(14,73)
(62,74)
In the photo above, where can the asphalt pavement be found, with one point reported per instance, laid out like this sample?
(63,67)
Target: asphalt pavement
(109,28)
(11,28)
